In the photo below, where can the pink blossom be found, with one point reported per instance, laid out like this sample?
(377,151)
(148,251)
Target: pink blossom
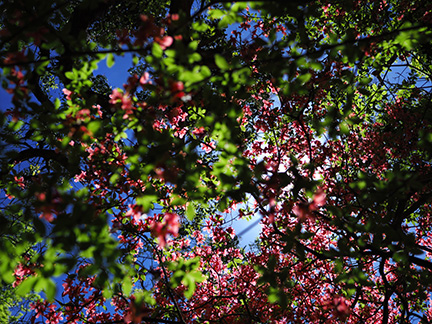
(181,133)
(20,182)
(319,200)
(145,79)
(68,94)
(170,225)
(118,97)
(208,147)
(80,176)
(82,114)
(339,306)
(164,42)
(199,132)
(177,86)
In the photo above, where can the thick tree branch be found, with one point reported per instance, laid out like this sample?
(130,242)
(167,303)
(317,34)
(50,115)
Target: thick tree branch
(41,153)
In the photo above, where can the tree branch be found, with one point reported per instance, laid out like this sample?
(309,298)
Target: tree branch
(42,153)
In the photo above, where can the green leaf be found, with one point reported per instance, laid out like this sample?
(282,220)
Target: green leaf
(88,253)
(127,285)
(71,75)
(146,201)
(221,62)
(365,80)
(94,126)
(200,26)
(57,103)
(216,13)
(110,60)
(26,286)
(304,78)
(15,126)
(114,178)
(50,289)
(239,6)
(177,200)
(194,57)
(189,280)
(205,71)
(157,50)
(400,256)
(227,20)
(190,211)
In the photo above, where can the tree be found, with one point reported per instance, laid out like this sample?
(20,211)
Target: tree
(315,116)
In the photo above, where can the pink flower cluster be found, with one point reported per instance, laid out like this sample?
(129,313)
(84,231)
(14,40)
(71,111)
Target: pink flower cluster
(169,225)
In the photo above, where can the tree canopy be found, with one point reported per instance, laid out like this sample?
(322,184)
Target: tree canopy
(116,204)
